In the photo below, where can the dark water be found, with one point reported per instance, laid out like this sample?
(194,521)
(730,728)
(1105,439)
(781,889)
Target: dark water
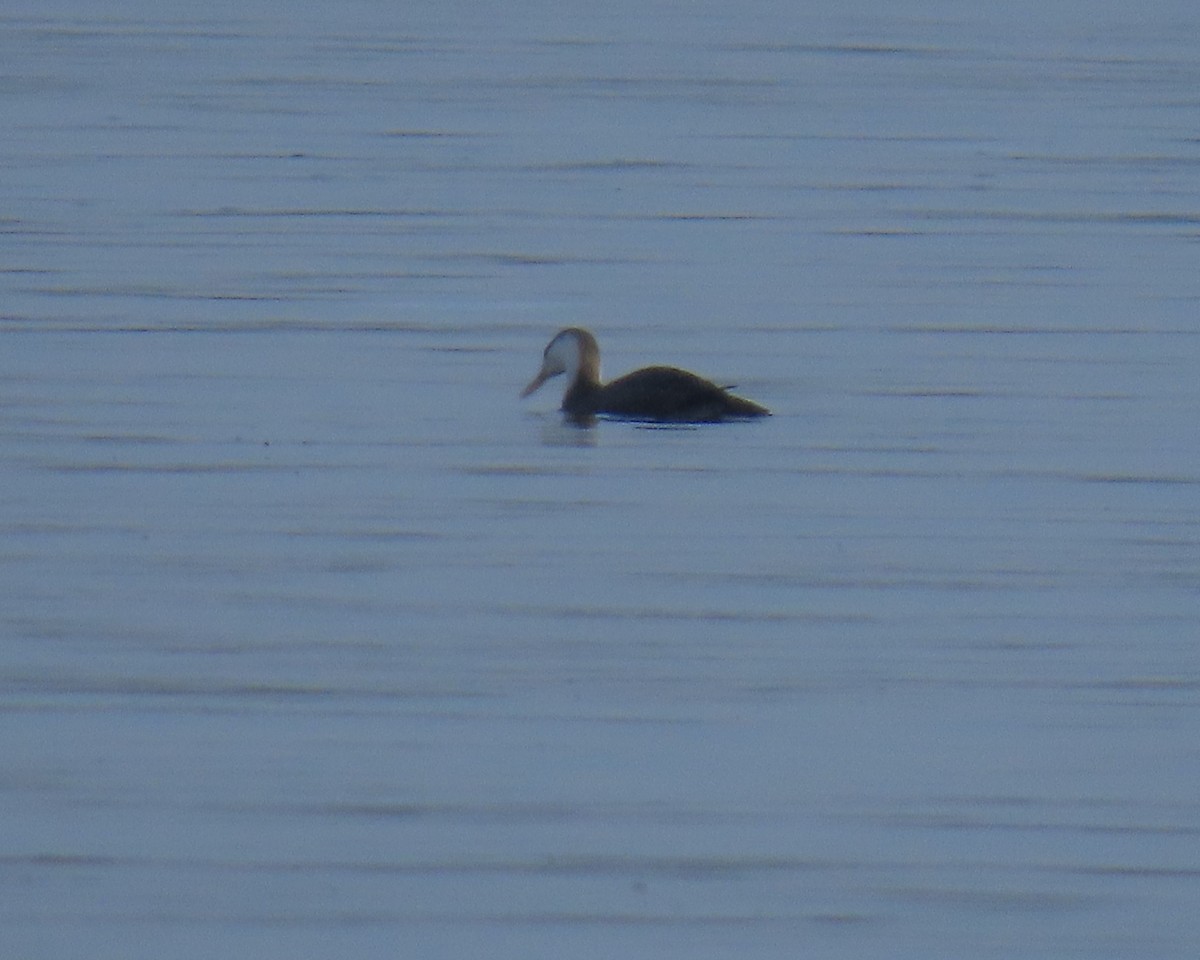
(315,641)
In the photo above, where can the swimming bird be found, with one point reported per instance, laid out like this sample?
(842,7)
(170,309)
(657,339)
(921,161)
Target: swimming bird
(656,394)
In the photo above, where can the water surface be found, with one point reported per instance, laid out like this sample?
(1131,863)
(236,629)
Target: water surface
(314,640)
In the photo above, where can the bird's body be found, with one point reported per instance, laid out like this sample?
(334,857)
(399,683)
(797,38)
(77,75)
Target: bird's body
(657,394)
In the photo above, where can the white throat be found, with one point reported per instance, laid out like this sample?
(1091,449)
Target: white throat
(563,356)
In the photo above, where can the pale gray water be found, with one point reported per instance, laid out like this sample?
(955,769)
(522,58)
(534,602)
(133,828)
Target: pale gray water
(316,642)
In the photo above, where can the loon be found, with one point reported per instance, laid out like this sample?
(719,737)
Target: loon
(654,394)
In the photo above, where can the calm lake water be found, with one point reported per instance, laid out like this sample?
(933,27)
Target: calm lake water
(315,641)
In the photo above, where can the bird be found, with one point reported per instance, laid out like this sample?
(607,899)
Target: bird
(652,394)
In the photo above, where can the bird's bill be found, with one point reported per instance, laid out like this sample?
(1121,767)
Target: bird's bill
(536,382)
